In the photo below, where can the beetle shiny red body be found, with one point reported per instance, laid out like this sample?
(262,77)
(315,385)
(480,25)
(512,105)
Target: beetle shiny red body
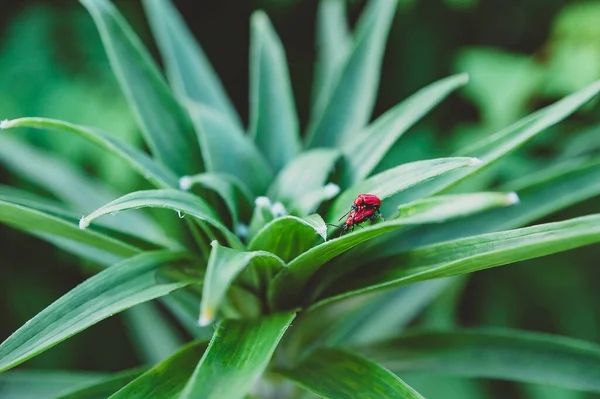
(367,201)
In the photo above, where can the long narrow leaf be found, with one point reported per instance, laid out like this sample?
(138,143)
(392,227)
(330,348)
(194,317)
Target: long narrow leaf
(188,69)
(236,356)
(103,388)
(334,374)
(166,127)
(148,168)
(224,265)
(273,117)
(365,152)
(500,354)
(471,254)
(352,98)
(111,291)
(167,379)
(44,384)
(182,202)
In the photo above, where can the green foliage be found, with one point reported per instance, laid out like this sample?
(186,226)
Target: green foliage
(252,254)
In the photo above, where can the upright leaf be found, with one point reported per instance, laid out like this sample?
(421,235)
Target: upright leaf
(352,99)
(224,265)
(166,128)
(167,379)
(273,118)
(111,291)
(237,355)
(500,354)
(188,69)
(335,374)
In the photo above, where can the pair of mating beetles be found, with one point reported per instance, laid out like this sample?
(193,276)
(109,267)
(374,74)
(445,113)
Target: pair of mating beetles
(365,207)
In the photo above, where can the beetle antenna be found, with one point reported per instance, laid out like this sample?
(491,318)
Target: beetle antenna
(346,214)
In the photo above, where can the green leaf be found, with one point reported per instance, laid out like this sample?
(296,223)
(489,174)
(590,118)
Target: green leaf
(237,355)
(148,168)
(273,117)
(111,291)
(166,127)
(104,388)
(289,236)
(82,192)
(167,379)
(331,373)
(392,181)
(182,202)
(365,152)
(492,353)
(471,254)
(287,288)
(44,384)
(307,172)
(233,192)
(333,44)
(188,69)
(224,265)
(35,222)
(502,143)
(227,149)
(349,107)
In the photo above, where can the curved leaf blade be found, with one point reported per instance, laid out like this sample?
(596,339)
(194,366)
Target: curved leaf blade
(224,265)
(335,374)
(166,127)
(273,117)
(392,181)
(182,202)
(227,149)
(148,168)
(189,71)
(491,353)
(236,356)
(167,379)
(103,388)
(471,254)
(44,384)
(289,236)
(111,291)
(365,152)
(351,102)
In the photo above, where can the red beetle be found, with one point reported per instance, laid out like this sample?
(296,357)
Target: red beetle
(356,217)
(367,201)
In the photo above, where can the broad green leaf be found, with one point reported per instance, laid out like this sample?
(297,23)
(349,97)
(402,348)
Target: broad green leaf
(287,288)
(273,117)
(392,181)
(289,236)
(349,107)
(164,124)
(227,149)
(233,192)
(182,202)
(502,143)
(35,222)
(148,168)
(492,353)
(309,202)
(335,374)
(111,291)
(44,384)
(188,69)
(154,336)
(167,379)
(103,388)
(307,172)
(543,194)
(224,265)
(80,191)
(237,355)
(365,152)
(471,254)
(333,43)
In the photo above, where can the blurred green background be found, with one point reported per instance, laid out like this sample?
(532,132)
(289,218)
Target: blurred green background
(521,55)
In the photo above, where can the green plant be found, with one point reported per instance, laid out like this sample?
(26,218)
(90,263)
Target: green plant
(292,302)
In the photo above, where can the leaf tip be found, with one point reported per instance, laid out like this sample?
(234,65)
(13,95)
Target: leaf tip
(5,124)
(262,202)
(464,78)
(206,317)
(278,209)
(331,190)
(512,198)
(83,223)
(185,183)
